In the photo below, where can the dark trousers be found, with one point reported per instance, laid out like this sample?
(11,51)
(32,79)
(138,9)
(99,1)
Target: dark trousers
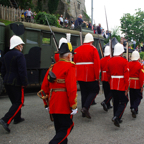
(135,98)
(89,91)
(119,102)
(16,96)
(28,18)
(63,125)
(107,93)
(61,23)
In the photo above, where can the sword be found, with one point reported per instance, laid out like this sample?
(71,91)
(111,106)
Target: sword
(43,96)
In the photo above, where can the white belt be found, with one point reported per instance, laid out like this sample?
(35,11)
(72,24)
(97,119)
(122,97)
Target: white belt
(83,63)
(117,76)
(104,71)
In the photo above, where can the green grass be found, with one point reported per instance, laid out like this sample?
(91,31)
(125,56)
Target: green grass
(6,22)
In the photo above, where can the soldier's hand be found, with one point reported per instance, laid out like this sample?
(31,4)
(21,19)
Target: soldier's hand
(47,109)
(141,89)
(126,92)
(74,111)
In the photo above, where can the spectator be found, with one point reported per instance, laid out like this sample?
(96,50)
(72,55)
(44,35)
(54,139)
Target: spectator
(25,14)
(89,25)
(22,17)
(72,25)
(107,34)
(79,21)
(94,28)
(99,29)
(66,21)
(134,44)
(61,20)
(141,46)
(29,13)
(72,21)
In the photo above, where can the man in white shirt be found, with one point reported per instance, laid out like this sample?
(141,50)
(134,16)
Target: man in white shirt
(61,20)
(28,14)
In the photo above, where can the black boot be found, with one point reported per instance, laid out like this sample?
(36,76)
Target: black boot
(116,121)
(5,125)
(133,113)
(104,106)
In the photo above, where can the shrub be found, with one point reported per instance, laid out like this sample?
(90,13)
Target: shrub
(142,55)
(40,19)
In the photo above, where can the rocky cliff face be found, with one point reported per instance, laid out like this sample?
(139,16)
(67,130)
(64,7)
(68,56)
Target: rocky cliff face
(68,8)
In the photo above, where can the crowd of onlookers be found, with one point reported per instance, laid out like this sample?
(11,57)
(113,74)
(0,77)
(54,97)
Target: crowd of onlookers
(73,24)
(28,15)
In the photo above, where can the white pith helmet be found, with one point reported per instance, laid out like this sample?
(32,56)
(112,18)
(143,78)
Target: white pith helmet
(88,38)
(107,51)
(135,55)
(15,41)
(118,49)
(62,40)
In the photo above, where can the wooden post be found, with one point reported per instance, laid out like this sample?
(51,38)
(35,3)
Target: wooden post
(12,14)
(4,12)
(17,14)
(1,11)
(9,13)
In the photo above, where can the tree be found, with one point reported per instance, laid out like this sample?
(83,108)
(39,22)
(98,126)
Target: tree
(132,26)
(52,6)
(22,3)
(25,4)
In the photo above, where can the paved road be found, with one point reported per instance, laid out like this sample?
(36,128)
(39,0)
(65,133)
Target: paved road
(38,129)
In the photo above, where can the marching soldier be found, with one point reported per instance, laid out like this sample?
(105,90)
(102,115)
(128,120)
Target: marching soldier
(136,82)
(118,77)
(14,75)
(106,87)
(87,72)
(60,85)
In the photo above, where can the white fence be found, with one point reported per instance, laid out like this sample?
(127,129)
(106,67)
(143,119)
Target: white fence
(11,14)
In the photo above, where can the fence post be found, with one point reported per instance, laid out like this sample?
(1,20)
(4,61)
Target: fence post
(0,12)
(17,14)
(12,14)
(7,12)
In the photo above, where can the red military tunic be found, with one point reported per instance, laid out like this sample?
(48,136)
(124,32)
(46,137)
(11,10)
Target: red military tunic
(136,75)
(118,73)
(61,102)
(103,65)
(87,63)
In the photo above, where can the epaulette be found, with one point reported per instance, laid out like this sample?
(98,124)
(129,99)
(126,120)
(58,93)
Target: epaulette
(142,70)
(72,62)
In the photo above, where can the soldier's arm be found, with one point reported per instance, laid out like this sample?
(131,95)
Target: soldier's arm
(108,72)
(71,87)
(141,76)
(96,64)
(3,69)
(126,75)
(22,70)
(45,87)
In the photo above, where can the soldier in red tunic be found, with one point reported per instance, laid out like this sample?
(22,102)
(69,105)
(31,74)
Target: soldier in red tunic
(106,87)
(118,77)
(136,82)
(87,72)
(60,85)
